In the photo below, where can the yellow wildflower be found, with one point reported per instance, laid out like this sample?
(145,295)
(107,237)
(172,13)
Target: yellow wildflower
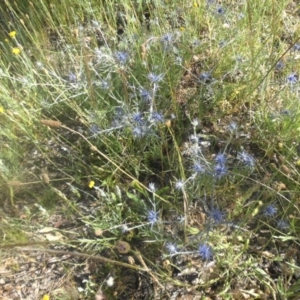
(16,50)
(91,184)
(46,297)
(1,110)
(12,34)
(6,40)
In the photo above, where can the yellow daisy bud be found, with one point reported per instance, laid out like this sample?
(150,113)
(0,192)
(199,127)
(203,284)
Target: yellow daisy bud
(12,34)
(91,184)
(16,51)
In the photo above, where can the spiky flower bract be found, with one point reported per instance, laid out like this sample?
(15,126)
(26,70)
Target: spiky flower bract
(121,57)
(103,84)
(179,185)
(283,225)
(219,171)
(145,95)
(216,215)
(296,47)
(232,127)
(205,78)
(205,252)
(198,168)
(171,247)
(95,129)
(155,78)
(137,118)
(138,131)
(246,159)
(220,11)
(152,217)
(156,117)
(292,78)
(270,211)
(279,66)
(220,159)
(167,41)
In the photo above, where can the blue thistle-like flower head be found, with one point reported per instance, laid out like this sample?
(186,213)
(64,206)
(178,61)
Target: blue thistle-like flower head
(205,78)
(292,78)
(156,117)
(198,168)
(223,43)
(138,131)
(137,118)
(296,47)
(283,225)
(145,95)
(167,38)
(285,112)
(121,57)
(179,185)
(246,159)
(210,2)
(196,43)
(220,11)
(103,84)
(172,248)
(279,65)
(155,78)
(95,129)
(219,171)
(167,41)
(270,211)
(232,127)
(205,252)
(216,215)
(220,159)
(152,217)
(72,77)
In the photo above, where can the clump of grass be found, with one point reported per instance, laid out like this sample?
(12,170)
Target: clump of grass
(174,131)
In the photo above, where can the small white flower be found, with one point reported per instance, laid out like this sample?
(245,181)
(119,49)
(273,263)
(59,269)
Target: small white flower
(195,122)
(124,228)
(171,247)
(110,281)
(179,185)
(152,187)
(39,65)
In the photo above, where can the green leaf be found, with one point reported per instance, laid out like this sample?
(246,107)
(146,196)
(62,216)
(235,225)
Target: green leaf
(192,230)
(133,197)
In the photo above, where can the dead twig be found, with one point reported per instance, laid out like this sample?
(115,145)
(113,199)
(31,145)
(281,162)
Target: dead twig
(85,255)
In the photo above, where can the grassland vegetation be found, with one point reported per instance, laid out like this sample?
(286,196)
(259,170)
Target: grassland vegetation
(149,149)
